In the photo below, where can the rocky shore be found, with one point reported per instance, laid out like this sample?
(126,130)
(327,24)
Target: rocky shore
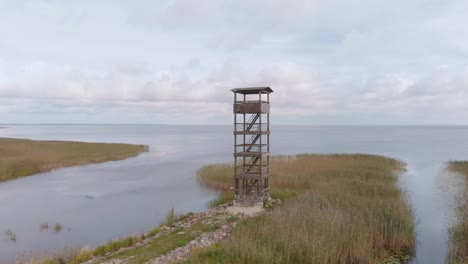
(205,240)
(221,219)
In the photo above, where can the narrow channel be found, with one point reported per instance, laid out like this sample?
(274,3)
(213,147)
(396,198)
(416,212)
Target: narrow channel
(431,190)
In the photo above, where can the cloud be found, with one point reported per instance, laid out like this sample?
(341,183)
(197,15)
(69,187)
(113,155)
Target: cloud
(443,81)
(383,62)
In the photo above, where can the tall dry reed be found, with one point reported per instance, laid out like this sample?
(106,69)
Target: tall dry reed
(349,210)
(21,157)
(459,233)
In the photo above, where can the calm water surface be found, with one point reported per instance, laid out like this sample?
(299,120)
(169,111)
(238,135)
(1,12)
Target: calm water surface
(96,203)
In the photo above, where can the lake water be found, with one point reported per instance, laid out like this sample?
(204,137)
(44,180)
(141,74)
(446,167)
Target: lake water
(96,203)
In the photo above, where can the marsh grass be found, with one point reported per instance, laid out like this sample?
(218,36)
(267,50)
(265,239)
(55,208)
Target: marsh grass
(68,255)
(75,256)
(162,245)
(171,218)
(21,157)
(223,197)
(44,226)
(116,245)
(459,233)
(339,209)
(10,235)
(58,227)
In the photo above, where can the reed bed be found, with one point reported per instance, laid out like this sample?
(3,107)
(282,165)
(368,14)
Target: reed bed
(459,233)
(349,210)
(21,157)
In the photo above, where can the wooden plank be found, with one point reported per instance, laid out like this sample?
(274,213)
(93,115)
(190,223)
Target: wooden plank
(251,154)
(251,108)
(251,132)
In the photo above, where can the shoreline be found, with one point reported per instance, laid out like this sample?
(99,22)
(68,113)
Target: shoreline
(24,157)
(198,241)
(196,230)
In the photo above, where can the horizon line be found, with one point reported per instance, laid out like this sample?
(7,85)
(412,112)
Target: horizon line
(188,124)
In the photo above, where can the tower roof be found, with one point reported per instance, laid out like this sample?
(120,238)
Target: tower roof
(253,90)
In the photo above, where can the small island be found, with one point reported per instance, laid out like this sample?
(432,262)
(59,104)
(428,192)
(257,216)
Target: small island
(23,157)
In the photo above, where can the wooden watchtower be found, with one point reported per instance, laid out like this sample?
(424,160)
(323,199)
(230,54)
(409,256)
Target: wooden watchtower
(251,144)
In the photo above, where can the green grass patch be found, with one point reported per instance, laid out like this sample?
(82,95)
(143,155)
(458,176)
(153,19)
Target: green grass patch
(162,245)
(338,209)
(224,197)
(283,194)
(154,232)
(459,233)
(83,256)
(22,157)
(69,256)
(116,245)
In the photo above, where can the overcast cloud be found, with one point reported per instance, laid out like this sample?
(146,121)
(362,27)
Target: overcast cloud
(329,62)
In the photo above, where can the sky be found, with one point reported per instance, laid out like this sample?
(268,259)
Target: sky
(329,62)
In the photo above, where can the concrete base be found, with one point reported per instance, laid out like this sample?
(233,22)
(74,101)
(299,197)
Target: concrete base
(246,203)
(246,210)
